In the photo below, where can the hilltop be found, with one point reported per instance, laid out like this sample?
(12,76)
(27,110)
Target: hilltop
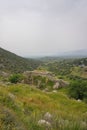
(10,62)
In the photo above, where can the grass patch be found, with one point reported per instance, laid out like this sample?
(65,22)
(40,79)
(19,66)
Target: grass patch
(30,104)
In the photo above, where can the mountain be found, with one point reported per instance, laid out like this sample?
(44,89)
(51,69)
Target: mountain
(67,54)
(64,55)
(10,62)
(77,53)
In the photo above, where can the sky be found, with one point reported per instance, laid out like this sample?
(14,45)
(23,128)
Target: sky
(43,27)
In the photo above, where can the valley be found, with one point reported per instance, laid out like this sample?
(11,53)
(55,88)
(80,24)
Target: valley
(37,94)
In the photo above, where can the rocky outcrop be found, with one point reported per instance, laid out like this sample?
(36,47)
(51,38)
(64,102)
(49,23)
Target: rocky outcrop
(4,74)
(43,79)
(46,121)
(56,86)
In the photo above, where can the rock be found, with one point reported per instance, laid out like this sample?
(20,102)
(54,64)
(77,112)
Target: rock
(46,90)
(56,86)
(54,91)
(63,83)
(12,96)
(79,100)
(48,117)
(8,83)
(4,74)
(36,78)
(44,122)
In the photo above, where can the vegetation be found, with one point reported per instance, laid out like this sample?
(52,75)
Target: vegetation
(78,90)
(22,106)
(12,63)
(15,78)
(67,68)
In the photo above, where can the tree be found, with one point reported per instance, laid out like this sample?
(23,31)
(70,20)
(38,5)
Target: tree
(15,78)
(78,90)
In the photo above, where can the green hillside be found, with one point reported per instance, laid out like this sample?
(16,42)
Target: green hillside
(10,62)
(22,106)
(42,95)
(67,68)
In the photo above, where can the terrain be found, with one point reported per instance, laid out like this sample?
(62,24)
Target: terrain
(42,94)
(70,68)
(10,62)
(22,106)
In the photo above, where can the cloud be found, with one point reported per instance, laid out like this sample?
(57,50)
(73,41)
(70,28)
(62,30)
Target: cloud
(35,27)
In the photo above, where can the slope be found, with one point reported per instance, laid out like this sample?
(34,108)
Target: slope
(10,62)
(26,105)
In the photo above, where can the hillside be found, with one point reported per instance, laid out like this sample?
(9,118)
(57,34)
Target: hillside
(41,99)
(68,68)
(10,62)
(23,107)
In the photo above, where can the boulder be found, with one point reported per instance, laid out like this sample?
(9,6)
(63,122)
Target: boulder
(79,100)
(12,96)
(48,117)
(54,91)
(46,90)
(44,123)
(56,86)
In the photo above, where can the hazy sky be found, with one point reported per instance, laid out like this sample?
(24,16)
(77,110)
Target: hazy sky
(43,27)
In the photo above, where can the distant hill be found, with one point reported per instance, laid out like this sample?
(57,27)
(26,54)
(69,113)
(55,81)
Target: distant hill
(10,62)
(64,55)
(77,53)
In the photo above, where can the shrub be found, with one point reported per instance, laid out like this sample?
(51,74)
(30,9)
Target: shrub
(15,78)
(78,90)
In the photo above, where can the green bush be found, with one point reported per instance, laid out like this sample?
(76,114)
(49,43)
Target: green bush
(15,78)
(78,90)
